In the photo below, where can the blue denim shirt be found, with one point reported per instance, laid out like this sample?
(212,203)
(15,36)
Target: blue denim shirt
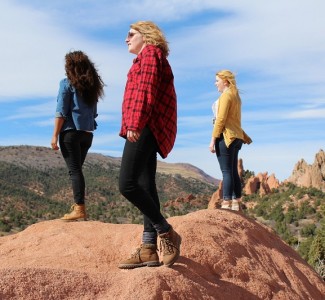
(77,114)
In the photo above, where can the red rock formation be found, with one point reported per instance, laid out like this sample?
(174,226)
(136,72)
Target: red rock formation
(216,197)
(310,175)
(302,175)
(240,168)
(224,255)
(261,183)
(252,185)
(272,182)
(194,201)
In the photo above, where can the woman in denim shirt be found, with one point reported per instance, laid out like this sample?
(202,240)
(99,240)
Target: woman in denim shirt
(75,121)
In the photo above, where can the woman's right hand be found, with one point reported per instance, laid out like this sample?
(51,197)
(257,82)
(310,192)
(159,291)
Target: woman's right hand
(132,135)
(212,145)
(54,143)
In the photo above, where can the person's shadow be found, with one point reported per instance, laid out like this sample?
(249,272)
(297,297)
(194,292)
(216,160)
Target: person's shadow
(209,282)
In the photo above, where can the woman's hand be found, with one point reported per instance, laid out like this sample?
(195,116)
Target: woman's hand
(132,135)
(54,143)
(212,145)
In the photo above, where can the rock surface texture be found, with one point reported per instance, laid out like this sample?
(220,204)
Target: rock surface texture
(224,255)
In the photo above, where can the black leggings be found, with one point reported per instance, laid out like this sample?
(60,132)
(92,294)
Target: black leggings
(137,181)
(74,146)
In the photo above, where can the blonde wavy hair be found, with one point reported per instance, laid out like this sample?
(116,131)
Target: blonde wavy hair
(229,77)
(152,35)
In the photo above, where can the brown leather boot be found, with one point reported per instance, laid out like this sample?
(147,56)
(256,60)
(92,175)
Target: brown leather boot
(170,243)
(146,255)
(77,212)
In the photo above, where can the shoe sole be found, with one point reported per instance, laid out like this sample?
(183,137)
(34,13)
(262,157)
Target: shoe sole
(146,264)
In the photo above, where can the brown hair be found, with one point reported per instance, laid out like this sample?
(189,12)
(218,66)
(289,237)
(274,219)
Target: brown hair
(152,35)
(84,77)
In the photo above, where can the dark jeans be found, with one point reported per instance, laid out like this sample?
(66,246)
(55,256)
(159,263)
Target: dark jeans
(228,161)
(74,146)
(137,181)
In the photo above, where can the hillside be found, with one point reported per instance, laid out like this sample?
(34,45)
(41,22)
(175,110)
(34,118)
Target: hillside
(42,158)
(224,255)
(34,186)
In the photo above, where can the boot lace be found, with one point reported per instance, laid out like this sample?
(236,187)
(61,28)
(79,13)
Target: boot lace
(72,207)
(166,246)
(136,253)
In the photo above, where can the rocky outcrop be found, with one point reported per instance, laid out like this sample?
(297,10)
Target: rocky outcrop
(240,168)
(310,175)
(303,175)
(216,198)
(262,183)
(190,200)
(224,255)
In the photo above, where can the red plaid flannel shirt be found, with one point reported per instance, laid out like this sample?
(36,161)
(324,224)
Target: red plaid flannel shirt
(150,98)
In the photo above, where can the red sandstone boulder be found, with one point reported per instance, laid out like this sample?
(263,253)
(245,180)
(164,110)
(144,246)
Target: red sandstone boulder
(224,255)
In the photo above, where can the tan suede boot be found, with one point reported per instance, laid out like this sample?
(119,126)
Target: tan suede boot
(77,212)
(146,255)
(170,243)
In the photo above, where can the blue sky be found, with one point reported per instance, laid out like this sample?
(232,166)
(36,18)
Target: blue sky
(276,48)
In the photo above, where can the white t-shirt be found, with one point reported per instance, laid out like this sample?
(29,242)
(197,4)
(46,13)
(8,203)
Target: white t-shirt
(215,110)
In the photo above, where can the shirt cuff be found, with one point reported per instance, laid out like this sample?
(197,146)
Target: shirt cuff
(59,115)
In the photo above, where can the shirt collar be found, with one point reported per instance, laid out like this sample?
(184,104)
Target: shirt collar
(146,49)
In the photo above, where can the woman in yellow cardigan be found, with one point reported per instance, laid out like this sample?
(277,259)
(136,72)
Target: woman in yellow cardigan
(228,137)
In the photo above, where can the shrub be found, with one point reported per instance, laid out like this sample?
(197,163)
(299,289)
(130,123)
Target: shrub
(308,230)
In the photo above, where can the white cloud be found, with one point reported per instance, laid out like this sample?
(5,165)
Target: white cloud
(33,54)
(307,114)
(32,111)
(274,47)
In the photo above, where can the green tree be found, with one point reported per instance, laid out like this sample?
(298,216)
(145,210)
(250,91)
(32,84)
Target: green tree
(304,247)
(277,213)
(305,210)
(291,215)
(317,250)
(308,230)
(317,247)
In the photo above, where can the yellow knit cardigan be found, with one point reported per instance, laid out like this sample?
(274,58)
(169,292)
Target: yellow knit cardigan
(228,120)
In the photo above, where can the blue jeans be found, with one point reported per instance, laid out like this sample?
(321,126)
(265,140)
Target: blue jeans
(137,181)
(74,146)
(228,161)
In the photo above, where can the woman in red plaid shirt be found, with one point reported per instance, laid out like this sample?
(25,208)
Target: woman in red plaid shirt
(149,117)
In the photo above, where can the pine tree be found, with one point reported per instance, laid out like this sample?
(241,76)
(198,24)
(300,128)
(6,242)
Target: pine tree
(317,248)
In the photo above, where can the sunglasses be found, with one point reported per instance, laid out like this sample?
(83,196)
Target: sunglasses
(131,34)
